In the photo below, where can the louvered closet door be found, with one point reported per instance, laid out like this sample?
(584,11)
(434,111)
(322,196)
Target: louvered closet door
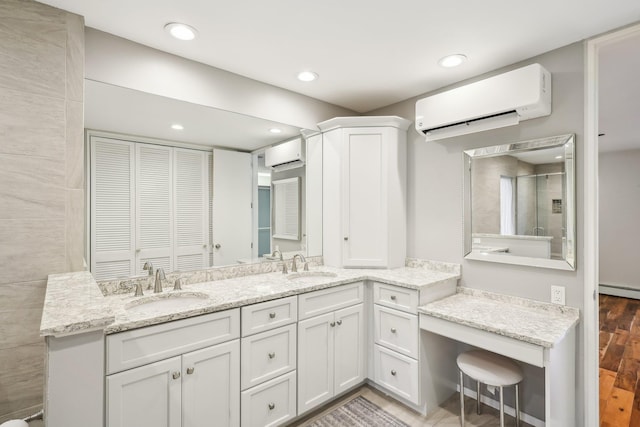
(112,200)
(191,209)
(154,207)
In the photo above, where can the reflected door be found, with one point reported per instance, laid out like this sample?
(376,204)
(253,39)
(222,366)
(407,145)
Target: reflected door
(231,207)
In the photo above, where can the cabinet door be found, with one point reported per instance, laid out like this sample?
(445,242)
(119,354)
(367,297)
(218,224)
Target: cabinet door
(364,197)
(211,386)
(315,361)
(349,348)
(145,396)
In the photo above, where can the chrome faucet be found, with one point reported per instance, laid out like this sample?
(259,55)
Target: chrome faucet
(148,266)
(284,264)
(277,252)
(159,278)
(294,267)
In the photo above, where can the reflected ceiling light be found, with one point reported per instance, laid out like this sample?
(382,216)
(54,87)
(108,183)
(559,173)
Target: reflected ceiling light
(275,130)
(177,126)
(181,31)
(558,157)
(307,76)
(451,61)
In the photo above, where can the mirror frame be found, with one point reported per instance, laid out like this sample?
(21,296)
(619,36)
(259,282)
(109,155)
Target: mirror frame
(569,262)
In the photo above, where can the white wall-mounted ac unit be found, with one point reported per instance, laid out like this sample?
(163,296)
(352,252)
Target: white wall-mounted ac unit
(288,155)
(502,100)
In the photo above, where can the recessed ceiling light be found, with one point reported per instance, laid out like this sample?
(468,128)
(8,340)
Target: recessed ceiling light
(307,76)
(275,130)
(177,126)
(181,31)
(451,61)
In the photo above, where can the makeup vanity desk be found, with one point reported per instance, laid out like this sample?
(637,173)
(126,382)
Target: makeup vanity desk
(537,333)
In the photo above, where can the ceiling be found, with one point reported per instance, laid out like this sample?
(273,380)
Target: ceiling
(368,54)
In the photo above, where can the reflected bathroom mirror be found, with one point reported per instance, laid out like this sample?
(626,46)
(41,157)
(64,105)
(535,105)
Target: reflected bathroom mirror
(519,203)
(181,198)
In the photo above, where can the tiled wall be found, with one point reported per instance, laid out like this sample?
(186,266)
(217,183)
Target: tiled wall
(41,183)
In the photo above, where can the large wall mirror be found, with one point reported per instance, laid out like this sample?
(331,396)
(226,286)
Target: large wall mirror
(519,203)
(184,197)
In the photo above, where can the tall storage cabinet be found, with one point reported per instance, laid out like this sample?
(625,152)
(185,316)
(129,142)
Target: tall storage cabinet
(364,191)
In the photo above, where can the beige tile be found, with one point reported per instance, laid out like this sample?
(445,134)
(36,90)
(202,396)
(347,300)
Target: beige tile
(31,249)
(20,313)
(74,230)
(30,11)
(32,125)
(24,413)
(75,145)
(32,187)
(22,377)
(75,57)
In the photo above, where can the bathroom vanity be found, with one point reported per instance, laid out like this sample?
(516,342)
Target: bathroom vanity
(250,350)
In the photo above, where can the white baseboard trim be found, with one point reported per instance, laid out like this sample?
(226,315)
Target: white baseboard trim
(619,291)
(507,409)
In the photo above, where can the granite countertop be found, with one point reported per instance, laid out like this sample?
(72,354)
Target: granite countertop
(526,320)
(75,304)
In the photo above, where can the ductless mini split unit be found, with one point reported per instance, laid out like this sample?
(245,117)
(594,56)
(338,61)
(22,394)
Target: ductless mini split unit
(498,101)
(285,156)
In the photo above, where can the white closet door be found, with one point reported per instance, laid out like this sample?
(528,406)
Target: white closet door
(112,200)
(191,209)
(231,206)
(154,212)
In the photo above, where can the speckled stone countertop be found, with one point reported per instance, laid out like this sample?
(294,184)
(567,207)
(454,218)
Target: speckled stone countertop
(74,303)
(526,320)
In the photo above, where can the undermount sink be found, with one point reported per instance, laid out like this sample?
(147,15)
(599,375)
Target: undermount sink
(166,302)
(310,274)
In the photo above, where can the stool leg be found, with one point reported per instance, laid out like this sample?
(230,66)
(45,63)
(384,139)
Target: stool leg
(461,399)
(501,407)
(517,406)
(478,397)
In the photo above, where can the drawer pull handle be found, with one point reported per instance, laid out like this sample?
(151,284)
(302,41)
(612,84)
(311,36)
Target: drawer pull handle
(272,315)
(272,406)
(393,372)
(176,375)
(272,355)
(332,324)
(339,322)
(393,330)
(190,370)
(393,297)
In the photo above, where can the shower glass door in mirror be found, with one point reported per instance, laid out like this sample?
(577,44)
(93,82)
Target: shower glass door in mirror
(520,203)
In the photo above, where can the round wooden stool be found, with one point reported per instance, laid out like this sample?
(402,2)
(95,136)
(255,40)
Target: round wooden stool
(490,369)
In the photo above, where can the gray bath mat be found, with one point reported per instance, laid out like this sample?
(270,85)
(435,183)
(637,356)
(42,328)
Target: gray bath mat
(358,412)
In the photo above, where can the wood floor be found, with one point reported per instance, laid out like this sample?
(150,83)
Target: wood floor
(619,362)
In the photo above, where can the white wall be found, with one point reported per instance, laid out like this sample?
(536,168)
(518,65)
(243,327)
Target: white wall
(434,197)
(619,180)
(121,62)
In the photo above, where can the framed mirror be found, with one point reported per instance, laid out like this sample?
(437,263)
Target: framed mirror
(519,203)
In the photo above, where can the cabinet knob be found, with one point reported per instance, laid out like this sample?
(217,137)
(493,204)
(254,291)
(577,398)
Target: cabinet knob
(393,297)
(393,330)
(346,239)
(393,372)
(272,406)
(339,322)
(176,375)
(218,246)
(272,355)
(332,324)
(190,370)
(272,315)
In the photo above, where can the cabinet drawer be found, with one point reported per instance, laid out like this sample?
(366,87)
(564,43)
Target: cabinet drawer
(269,315)
(326,300)
(137,347)
(396,330)
(267,355)
(395,297)
(271,403)
(397,373)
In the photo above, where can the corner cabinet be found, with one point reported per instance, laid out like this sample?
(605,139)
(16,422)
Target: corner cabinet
(364,191)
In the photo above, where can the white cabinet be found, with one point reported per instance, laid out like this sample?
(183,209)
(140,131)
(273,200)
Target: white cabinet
(330,352)
(364,191)
(270,404)
(183,373)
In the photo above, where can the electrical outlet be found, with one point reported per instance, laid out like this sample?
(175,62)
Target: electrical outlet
(557,295)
